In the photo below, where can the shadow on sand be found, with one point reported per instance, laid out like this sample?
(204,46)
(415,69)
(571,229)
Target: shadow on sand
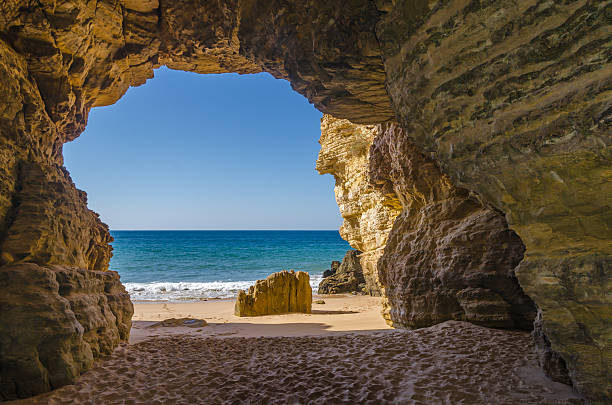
(141,330)
(323,312)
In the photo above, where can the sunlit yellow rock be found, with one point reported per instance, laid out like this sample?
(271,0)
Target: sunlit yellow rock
(368,213)
(280,293)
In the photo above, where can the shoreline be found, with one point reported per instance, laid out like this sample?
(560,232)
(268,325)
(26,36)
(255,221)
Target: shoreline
(196,291)
(315,296)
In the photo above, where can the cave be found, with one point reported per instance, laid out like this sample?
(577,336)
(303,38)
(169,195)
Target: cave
(485,127)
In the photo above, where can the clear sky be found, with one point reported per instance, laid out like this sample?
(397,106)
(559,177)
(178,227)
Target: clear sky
(189,151)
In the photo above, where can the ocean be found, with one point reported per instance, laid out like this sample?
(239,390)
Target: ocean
(195,265)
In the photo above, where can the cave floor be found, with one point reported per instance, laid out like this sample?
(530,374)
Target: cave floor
(450,363)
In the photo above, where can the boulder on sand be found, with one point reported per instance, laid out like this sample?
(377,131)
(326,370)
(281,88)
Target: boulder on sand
(280,293)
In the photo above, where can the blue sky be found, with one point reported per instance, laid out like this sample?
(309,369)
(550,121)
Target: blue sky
(189,151)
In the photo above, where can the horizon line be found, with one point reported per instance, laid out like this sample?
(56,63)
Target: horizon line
(219,230)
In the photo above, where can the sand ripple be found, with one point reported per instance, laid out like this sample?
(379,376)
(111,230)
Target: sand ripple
(451,363)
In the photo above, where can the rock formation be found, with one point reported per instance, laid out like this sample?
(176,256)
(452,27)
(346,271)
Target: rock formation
(509,100)
(280,293)
(55,321)
(512,100)
(448,256)
(58,59)
(428,273)
(367,211)
(332,270)
(348,277)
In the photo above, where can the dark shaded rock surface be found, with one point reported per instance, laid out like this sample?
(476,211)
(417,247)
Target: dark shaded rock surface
(448,257)
(512,100)
(55,322)
(551,362)
(348,277)
(332,270)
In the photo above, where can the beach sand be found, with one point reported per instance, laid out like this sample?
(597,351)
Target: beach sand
(341,353)
(340,313)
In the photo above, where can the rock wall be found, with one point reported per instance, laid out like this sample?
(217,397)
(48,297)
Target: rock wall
(440,254)
(50,222)
(512,100)
(55,321)
(447,256)
(60,58)
(43,218)
(368,212)
(279,293)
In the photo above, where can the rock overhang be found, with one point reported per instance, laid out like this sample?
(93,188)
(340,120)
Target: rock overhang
(511,102)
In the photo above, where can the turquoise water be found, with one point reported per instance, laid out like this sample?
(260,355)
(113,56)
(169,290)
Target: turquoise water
(190,265)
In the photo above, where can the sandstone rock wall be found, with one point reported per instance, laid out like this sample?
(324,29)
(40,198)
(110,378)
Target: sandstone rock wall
(279,293)
(50,222)
(447,255)
(60,58)
(44,218)
(440,254)
(367,211)
(55,321)
(512,100)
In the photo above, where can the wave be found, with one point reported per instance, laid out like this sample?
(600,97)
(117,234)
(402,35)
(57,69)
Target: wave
(193,291)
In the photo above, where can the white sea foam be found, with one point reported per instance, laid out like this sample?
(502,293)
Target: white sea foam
(193,291)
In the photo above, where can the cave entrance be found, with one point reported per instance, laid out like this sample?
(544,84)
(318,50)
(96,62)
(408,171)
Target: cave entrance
(231,154)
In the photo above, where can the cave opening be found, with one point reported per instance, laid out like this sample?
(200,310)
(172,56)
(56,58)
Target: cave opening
(511,103)
(191,163)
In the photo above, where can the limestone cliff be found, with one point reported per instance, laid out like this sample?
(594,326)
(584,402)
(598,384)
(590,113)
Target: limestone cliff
(368,212)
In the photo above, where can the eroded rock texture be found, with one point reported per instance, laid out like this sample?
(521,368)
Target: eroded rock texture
(55,321)
(50,222)
(447,256)
(368,212)
(58,59)
(43,218)
(512,99)
(279,293)
(347,277)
